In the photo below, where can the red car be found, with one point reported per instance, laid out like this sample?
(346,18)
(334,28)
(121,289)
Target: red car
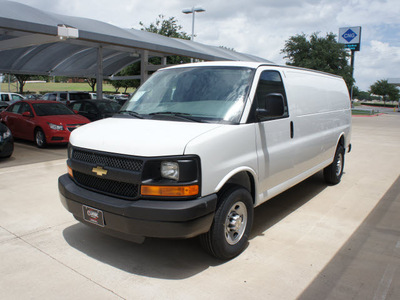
(41,121)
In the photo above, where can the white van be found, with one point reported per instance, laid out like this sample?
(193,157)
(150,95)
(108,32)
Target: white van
(198,146)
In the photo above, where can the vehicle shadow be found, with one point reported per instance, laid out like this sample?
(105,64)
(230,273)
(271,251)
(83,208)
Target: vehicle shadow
(156,258)
(33,145)
(277,208)
(180,259)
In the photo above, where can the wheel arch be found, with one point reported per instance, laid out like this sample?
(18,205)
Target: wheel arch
(37,127)
(341,140)
(244,178)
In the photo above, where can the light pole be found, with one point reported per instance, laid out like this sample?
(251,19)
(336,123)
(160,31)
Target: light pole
(193,10)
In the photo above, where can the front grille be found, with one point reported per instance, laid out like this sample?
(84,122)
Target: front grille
(71,127)
(105,160)
(114,188)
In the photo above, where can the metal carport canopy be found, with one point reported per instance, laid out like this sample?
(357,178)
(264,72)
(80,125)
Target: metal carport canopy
(34,41)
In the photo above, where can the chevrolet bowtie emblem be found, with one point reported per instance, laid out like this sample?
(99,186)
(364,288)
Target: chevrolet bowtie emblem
(99,171)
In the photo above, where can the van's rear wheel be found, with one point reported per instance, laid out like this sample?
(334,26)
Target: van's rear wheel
(229,233)
(333,173)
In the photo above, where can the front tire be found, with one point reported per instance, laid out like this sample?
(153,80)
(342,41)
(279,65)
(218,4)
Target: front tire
(229,233)
(333,173)
(40,138)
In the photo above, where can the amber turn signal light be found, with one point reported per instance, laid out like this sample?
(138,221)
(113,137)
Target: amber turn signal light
(70,171)
(170,191)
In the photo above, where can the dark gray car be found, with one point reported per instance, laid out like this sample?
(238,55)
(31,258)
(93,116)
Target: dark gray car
(95,109)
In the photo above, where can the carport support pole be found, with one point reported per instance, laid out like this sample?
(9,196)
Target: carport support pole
(99,75)
(144,74)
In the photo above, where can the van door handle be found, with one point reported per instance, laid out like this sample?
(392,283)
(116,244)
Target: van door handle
(291,130)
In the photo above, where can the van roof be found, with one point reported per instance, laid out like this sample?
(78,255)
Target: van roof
(252,65)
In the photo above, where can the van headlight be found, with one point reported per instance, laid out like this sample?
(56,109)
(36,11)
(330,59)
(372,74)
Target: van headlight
(170,170)
(174,176)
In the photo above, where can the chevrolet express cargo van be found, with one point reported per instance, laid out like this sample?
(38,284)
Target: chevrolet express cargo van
(199,146)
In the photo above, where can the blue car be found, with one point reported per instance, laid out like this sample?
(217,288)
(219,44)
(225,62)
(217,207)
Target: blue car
(6,141)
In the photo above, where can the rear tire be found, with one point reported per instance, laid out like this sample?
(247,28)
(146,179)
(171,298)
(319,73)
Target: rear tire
(333,173)
(229,233)
(40,138)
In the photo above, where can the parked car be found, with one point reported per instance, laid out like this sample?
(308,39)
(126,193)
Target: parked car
(120,98)
(10,97)
(33,96)
(95,109)
(66,97)
(4,105)
(41,121)
(6,141)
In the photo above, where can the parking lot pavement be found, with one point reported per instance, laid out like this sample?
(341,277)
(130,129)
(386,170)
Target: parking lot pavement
(27,153)
(313,241)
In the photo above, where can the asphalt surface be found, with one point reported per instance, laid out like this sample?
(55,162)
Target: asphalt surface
(311,242)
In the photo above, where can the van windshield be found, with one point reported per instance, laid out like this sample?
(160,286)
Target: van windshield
(205,94)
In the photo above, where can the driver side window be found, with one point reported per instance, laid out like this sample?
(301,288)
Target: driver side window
(271,97)
(24,108)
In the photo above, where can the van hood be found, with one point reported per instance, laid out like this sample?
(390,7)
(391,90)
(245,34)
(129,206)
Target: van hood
(139,137)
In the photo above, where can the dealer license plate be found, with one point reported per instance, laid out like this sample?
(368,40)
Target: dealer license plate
(93,215)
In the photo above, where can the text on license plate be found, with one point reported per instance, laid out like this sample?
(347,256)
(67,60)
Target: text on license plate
(93,215)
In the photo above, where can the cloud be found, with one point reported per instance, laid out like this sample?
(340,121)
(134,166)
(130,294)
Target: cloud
(261,27)
(375,63)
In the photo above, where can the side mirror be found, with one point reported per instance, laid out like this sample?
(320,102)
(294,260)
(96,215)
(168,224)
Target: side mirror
(273,106)
(76,112)
(26,114)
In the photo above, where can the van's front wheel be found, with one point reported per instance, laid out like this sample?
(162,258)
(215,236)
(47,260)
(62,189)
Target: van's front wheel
(230,230)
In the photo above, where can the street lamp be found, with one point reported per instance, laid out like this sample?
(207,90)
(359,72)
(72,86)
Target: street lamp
(193,10)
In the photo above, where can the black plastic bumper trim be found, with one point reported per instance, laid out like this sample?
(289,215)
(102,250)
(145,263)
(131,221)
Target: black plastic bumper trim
(166,219)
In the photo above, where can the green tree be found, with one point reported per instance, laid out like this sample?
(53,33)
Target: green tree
(319,53)
(168,27)
(164,26)
(22,80)
(356,92)
(91,82)
(386,90)
(133,69)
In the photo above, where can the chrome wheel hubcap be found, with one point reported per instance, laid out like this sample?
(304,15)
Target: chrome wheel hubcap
(339,164)
(235,223)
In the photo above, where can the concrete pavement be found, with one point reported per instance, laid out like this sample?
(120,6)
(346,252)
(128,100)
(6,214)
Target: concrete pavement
(298,248)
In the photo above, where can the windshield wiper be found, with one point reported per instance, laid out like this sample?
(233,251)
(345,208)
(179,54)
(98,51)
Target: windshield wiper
(176,114)
(132,113)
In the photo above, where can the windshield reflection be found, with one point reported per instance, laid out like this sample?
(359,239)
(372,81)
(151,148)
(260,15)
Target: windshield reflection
(209,94)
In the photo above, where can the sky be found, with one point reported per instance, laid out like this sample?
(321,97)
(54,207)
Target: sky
(261,27)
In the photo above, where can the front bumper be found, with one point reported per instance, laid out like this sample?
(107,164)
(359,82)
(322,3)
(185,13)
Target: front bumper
(57,136)
(140,218)
(6,147)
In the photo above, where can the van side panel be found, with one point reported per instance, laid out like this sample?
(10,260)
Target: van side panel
(320,107)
